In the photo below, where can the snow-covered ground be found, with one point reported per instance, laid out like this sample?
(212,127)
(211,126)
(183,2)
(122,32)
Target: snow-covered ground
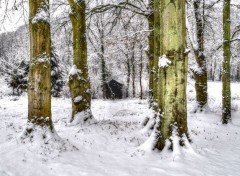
(111,147)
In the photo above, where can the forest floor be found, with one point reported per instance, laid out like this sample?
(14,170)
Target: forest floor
(111,146)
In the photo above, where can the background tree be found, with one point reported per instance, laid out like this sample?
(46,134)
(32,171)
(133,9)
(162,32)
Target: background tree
(226,89)
(17,79)
(200,71)
(151,48)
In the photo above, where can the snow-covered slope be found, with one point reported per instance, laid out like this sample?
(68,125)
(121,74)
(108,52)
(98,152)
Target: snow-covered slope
(111,147)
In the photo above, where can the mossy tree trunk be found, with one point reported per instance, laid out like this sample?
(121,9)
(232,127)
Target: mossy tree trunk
(173,76)
(201,74)
(150,52)
(79,83)
(226,90)
(156,44)
(39,85)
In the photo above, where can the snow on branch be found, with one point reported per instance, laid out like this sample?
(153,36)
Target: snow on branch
(42,15)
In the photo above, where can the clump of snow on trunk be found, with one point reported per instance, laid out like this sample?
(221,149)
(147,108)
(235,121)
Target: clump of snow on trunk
(74,70)
(163,62)
(42,15)
(43,58)
(78,99)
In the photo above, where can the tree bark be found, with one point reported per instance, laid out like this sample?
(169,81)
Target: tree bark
(173,76)
(128,76)
(156,36)
(150,52)
(133,75)
(140,73)
(79,83)
(104,73)
(39,85)
(200,75)
(226,89)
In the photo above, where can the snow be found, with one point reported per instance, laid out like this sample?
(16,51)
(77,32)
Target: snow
(41,15)
(78,99)
(74,70)
(112,145)
(163,62)
(84,117)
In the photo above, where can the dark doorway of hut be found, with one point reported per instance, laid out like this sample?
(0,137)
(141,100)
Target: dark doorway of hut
(114,90)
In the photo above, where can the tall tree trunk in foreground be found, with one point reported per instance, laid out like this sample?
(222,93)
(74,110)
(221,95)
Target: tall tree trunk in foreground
(150,52)
(39,86)
(173,74)
(200,74)
(226,90)
(79,83)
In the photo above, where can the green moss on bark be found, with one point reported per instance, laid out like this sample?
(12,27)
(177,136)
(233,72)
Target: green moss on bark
(172,78)
(79,84)
(39,87)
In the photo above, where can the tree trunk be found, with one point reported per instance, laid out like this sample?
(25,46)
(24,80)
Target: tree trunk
(156,36)
(128,77)
(226,89)
(79,83)
(173,74)
(200,75)
(133,76)
(39,86)
(140,73)
(150,52)
(104,73)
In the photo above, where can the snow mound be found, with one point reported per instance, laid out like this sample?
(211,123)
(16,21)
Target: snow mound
(84,117)
(44,141)
(124,112)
